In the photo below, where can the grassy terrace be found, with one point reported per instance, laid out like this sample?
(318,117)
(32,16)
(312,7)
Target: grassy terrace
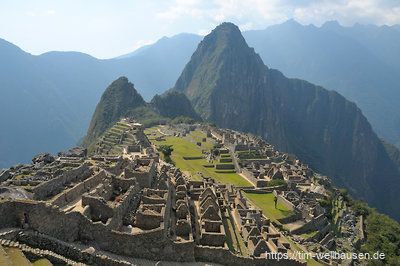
(42,262)
(184,148)
(233,238)
(266,203)
(17,257)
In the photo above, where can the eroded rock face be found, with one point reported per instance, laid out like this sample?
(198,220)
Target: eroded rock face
(4,174)
(45,158)
(14,193)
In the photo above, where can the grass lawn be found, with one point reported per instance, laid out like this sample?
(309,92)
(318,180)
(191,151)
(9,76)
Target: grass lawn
(17,257)
(266,203)
(42,262)
(184,148)
(233,238)
(3,258)
(198,134)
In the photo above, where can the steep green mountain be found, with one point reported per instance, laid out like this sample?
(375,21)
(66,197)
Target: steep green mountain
(173,104)
(121,99)
(228,83)
(361,62)
(118,99)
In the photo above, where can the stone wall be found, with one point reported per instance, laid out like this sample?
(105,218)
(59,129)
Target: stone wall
(312,225)
(192,158)
(224,166)
(8,216)
(74,226)
(285,202)
(225,257)
(290,219)
(71,194)
(55,185)
(71,251)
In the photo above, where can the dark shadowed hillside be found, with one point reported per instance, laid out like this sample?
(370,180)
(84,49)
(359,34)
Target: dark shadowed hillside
(360,62)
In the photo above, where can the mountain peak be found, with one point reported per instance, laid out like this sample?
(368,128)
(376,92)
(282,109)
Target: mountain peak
(227,27)
(291,23)
(224,34)
(222,52)
(332,24)
(116,101)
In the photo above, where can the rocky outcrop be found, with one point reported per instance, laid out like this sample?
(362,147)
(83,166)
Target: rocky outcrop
(45,158)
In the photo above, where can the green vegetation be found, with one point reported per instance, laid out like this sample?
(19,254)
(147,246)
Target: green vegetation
(184,148)
(42,262)
(182,120)
(266,203)
(233,238)
(145,116)
(383,233)
(174,104)
(17,257)
(308,234)
(120,99)
(277,182)
(166,151)
(3,258)
(115,102)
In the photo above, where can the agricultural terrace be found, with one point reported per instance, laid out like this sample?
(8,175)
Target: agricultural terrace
(184,148)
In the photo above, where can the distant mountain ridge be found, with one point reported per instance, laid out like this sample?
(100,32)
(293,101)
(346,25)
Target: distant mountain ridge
(228,83)
(53,95)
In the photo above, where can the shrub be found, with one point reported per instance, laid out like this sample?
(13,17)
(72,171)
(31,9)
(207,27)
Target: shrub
(277,182)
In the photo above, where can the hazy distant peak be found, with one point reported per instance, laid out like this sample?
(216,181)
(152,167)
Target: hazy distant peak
(67,54)
(292,23)
(9,47)
(331,24)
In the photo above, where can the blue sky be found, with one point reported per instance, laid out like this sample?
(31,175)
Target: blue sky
(105,28)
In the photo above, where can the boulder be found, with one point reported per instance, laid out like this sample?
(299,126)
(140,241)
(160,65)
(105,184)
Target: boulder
(45,158)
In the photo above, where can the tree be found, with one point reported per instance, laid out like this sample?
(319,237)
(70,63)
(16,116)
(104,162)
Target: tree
(166,150)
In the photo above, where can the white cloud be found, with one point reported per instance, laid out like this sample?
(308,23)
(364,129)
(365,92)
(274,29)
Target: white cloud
(261,13)
(203,32)
(246,26)
(51,12)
